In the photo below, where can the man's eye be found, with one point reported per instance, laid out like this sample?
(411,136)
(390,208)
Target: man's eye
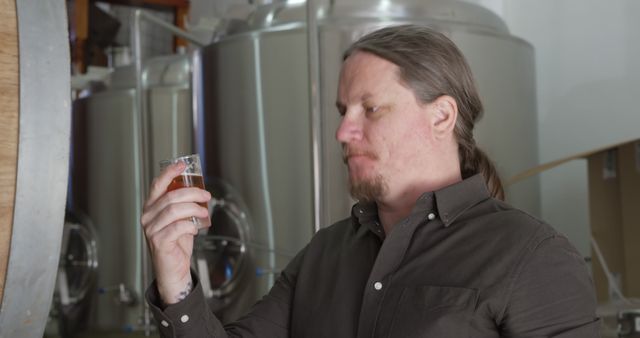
(371,109)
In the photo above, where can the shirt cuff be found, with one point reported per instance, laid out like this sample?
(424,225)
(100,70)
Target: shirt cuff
(176,320)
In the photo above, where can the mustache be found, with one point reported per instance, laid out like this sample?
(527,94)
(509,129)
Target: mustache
(349,152)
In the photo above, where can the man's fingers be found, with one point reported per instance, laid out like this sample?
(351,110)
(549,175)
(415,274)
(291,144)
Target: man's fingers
(160,183)
(173,213)
(162,240)
(183,195)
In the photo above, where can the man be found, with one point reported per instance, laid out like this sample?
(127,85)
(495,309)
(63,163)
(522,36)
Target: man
(429,251)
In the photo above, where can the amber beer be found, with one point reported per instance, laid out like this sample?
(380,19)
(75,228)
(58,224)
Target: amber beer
(190,177)
(187,181)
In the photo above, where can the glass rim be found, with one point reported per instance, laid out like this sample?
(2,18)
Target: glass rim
(167,162)
(175,159)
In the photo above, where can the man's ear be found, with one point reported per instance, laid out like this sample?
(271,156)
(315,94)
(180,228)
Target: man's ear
(444,113)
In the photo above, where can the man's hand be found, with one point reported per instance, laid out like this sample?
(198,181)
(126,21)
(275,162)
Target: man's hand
(169,230)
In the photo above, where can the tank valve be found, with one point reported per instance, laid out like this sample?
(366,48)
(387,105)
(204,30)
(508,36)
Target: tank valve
(124,296)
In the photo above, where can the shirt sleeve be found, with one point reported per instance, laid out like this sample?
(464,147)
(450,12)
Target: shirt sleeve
(192,317)
(552,295)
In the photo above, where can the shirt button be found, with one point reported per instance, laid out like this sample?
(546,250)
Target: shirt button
(431,216)
(164,323)
(377,286)
(184,318)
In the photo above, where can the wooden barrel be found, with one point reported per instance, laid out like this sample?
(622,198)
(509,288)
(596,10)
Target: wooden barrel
(8,127)
(35,115)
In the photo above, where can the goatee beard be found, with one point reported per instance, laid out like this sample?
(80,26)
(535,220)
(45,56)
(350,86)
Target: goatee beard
(368,190)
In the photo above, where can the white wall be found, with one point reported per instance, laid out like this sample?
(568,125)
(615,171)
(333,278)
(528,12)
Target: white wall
(588,81)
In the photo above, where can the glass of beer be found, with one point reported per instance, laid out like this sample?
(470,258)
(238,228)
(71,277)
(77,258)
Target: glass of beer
(190,177)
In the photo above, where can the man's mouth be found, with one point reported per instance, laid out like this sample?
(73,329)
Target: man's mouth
(349,153)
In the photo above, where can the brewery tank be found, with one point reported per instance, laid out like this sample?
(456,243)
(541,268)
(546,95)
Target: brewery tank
(105,193)
(103,184)
(255,107)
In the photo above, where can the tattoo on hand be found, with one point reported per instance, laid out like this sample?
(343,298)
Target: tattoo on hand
(186,292)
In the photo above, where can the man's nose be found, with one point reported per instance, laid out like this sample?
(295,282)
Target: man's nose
(348,130)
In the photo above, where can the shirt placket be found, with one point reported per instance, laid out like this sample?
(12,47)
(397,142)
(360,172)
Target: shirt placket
(381,277)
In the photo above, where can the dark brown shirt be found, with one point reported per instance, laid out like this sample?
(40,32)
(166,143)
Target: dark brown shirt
(462,264)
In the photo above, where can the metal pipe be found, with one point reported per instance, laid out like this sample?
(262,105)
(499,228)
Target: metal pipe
(177,31)
(313,49)
(197,107)
(140,125)
(264,167)
(140,159)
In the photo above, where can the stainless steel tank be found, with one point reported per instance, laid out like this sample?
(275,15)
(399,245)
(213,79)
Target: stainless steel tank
(104,168)
(104,188)
(255,108)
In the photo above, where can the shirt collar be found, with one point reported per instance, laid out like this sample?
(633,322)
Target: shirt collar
(450,202)
(366,213)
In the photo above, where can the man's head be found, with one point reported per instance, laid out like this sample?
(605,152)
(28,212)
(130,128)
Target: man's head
(409,105)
